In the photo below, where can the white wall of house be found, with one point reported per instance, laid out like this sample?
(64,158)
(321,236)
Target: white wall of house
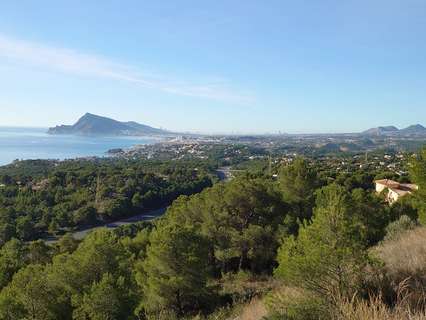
(394,190)
(392,196)
(380,187)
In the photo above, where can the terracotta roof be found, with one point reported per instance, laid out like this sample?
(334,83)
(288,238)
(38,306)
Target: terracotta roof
(410,186)
(400,191)
(388,183)
(400,188)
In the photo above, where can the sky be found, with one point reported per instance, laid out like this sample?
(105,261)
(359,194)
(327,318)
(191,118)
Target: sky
(223,66)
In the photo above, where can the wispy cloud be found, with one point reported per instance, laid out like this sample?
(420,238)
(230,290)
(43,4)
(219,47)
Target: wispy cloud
(77,63)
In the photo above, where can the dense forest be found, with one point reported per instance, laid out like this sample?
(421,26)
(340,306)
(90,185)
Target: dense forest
(39,197)
(308,244)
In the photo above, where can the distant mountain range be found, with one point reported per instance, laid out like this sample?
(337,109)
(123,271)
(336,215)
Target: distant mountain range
(414,130)
(91,124)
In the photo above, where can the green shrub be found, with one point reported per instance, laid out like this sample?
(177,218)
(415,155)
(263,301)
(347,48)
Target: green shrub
(291,303)
(395,229)
(241,287)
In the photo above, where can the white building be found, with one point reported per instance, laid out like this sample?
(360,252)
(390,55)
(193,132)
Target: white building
(395,189)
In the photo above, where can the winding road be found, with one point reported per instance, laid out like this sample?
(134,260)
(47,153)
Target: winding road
(224,174)
(146,216)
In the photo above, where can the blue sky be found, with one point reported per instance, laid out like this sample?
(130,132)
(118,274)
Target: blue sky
(215,66)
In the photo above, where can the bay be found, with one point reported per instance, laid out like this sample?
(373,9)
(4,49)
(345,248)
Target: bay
(35,143)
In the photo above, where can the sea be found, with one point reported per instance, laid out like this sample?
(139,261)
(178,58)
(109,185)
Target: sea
(35,143)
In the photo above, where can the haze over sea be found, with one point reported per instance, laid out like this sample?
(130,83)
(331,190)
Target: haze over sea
(35,143)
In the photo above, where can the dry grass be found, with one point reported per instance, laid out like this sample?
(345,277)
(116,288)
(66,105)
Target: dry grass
(375,309)
(405,272)
(405,263)
(253,311)
(406,255)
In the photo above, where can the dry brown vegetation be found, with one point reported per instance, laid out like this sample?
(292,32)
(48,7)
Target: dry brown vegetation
(398,291)
(405,266)
(375,309)
(405,256)
(291,302)
(404,273)
(253,311)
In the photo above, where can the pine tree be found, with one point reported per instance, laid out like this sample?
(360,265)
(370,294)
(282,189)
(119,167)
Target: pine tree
(418,175)
(174,275)
(327,257)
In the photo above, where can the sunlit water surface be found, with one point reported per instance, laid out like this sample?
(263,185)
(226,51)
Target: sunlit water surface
(35,143)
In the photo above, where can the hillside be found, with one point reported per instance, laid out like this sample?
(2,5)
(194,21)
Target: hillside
(315,241)
(91,124)
(381,131)
(413,130)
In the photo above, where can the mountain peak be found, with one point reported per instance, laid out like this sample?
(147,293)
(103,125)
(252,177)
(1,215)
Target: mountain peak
(381,130)
(92,124)
(89,115)
(417,126)
(416,129)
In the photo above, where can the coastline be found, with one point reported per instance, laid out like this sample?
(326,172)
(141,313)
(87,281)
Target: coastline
(36,144)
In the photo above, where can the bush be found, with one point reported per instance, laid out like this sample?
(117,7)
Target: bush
(289,303)
(375,309)
(404,261)
(242,287)
(397,228)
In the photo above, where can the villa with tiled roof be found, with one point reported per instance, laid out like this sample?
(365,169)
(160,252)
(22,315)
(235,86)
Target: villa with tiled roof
(396,190)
